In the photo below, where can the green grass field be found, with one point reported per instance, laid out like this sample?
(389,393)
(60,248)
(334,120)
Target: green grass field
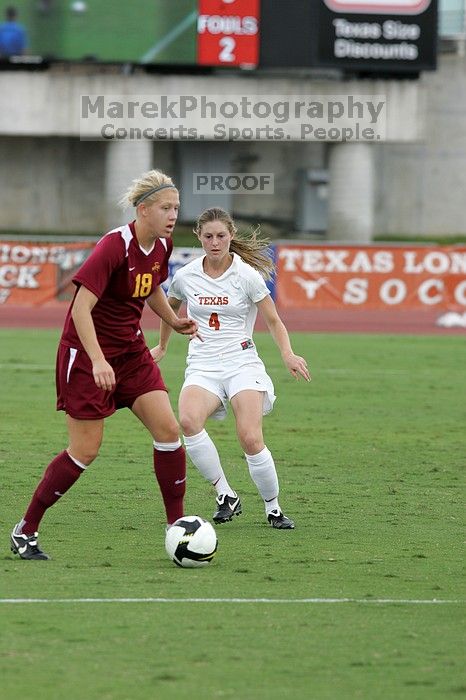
(370,458)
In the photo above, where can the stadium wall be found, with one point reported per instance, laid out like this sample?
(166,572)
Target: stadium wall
(72,189)
(420,186)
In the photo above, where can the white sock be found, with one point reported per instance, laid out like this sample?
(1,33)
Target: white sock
(263,473)
(167,446)
(203,454)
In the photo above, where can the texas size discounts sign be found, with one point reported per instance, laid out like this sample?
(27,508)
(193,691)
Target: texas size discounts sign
(228,32)
(37,273)
(371,277)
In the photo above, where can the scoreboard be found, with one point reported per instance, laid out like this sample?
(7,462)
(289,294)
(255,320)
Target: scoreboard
(371,36)
(228,33)
(361,36)
(391,36)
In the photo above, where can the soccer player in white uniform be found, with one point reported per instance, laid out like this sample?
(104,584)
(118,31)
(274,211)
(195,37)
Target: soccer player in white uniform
(223,290)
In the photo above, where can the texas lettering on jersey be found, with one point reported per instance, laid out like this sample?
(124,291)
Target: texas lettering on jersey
(212,301)
(225,308)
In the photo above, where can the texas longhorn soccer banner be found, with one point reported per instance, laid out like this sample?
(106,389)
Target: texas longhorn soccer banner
(307,276)
(371,277)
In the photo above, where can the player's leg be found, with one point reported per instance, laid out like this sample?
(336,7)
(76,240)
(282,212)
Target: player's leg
(154,410)
(85,438)
(248,409)
(142,389)
(196,404)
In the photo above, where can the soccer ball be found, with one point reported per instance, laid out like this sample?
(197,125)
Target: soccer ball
(191,542)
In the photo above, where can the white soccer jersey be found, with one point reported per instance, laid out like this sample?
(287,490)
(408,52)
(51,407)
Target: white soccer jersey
(224,308)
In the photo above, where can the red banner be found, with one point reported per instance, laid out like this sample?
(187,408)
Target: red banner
(228,32)
(36,273)
(308,277)
(371,277)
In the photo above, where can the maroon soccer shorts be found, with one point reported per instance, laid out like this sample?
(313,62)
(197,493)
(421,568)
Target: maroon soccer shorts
(78,395)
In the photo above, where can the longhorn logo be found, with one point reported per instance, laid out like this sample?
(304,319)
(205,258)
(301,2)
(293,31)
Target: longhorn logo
(311,286)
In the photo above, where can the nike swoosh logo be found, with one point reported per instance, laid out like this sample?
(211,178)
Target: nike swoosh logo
(180,481)
(21,550)
(132,268)
(234,504)
(57,493)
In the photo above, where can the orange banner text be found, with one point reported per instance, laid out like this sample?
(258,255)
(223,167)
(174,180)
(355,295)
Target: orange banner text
(38,273)
(371,277)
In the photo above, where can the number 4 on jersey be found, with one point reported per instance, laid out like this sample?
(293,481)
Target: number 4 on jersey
(214,322)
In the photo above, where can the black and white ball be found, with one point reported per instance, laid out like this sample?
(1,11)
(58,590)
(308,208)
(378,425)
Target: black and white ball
(191,542)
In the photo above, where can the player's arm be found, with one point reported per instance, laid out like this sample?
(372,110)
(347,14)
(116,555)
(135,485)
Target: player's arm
(84,302)
(165,331)
(296,365)
(158,302)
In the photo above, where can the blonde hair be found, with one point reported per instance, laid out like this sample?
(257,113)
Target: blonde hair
(249,246)
(142,185)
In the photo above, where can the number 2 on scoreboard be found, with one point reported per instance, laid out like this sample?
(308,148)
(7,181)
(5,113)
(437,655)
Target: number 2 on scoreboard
(226,54)
(214,322)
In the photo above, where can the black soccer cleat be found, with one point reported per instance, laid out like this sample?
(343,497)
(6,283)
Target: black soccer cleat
(228,506)
(279,521)
(26,546)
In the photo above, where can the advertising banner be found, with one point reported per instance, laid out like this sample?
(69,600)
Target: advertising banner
(33,274)
(385,37)
(36,273)
(371,277)
(307,276)
(377,35)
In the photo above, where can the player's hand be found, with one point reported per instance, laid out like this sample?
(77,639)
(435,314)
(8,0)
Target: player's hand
(103,374)
(297,366)
(186,326)
(157,353)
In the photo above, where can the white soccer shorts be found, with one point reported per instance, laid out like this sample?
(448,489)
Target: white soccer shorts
(226,383)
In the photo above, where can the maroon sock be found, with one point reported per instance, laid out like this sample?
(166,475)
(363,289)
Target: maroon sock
(170,470)
(59,476)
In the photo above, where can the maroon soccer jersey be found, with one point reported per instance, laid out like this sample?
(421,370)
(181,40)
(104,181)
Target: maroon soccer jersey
(121,275)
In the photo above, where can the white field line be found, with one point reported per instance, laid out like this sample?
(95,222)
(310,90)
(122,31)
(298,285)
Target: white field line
(308,601)
(368,371)
(382,370)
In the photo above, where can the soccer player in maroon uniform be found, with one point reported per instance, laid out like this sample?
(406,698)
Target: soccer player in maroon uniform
(103,362)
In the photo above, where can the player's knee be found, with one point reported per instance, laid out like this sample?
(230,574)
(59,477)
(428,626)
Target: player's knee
(169,432)
(190,424)
(251,443)
(174,435)
(84,456)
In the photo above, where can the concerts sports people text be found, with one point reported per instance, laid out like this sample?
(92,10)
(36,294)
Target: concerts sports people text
(103,362)
(223,289)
